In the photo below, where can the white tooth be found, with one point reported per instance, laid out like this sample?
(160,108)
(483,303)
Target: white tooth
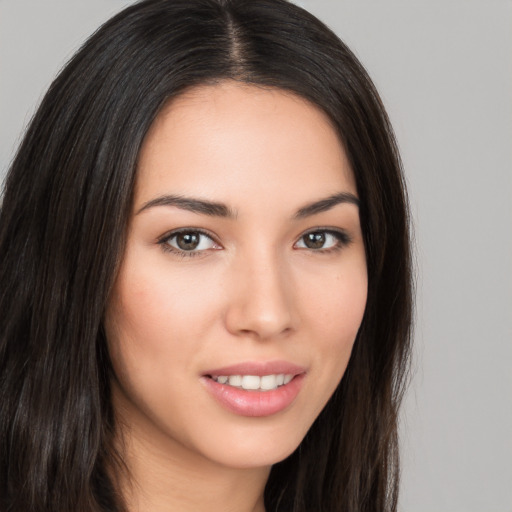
(288,378)
(280,379)
(268,382)
(250,382)
(222,379)
(235,380)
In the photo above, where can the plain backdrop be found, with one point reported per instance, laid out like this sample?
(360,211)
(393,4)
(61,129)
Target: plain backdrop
(444,70)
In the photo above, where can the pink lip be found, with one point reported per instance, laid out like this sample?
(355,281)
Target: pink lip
(255,403)
(258,368)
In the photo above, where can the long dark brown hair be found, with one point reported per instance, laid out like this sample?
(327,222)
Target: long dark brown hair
(63,222)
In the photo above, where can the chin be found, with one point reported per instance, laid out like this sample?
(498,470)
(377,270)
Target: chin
(256,447)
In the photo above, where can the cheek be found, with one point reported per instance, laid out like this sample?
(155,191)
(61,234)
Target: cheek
(335,317)
(158,322)
(350,303)
(336,301)
(154,326)
(156,310)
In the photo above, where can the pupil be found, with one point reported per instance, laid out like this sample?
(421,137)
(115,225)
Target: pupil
(187,241)
(315,240)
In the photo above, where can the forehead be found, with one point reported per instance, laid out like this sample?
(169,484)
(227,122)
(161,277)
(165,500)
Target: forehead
(236,140)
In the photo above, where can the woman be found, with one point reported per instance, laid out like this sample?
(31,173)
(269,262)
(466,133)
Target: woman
(205,273)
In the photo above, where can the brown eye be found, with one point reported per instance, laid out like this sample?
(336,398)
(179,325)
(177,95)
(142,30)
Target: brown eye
(323,240)
(189,242)
(314,240)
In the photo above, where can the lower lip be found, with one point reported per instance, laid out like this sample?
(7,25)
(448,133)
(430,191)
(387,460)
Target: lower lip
(255,403)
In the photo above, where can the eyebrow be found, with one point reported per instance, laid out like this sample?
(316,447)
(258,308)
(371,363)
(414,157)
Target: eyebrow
(326,204)
(191,204)
(215,209)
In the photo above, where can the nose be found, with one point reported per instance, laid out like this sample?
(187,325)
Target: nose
(262,302)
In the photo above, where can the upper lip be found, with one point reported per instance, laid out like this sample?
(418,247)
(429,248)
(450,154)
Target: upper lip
(258,368)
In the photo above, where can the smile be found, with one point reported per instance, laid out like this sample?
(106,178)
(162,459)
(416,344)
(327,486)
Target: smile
(254,382)
(255,389)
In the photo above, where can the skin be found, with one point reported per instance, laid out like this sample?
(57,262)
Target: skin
(253,292)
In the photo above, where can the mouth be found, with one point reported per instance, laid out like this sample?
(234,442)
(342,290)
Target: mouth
(254,382)
(255,389)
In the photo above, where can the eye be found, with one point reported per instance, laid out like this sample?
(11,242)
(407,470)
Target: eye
(323,240)
(191,241)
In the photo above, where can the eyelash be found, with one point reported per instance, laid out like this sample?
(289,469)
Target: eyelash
(164,242)
(342,237)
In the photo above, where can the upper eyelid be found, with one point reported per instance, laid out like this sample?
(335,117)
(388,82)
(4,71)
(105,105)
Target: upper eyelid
(175,232)
(344,238)
(325,229)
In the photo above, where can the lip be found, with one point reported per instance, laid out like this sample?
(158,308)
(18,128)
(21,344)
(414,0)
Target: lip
(258,368)
(255,403)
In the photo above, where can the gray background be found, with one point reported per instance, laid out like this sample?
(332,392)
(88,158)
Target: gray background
(444,69)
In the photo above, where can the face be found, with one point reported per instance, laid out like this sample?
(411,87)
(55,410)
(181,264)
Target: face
(243,282)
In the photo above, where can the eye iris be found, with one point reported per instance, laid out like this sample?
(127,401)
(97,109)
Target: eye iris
(314,240)
(187,241)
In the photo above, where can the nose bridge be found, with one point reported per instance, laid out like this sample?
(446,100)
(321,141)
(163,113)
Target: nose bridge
(262,302)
